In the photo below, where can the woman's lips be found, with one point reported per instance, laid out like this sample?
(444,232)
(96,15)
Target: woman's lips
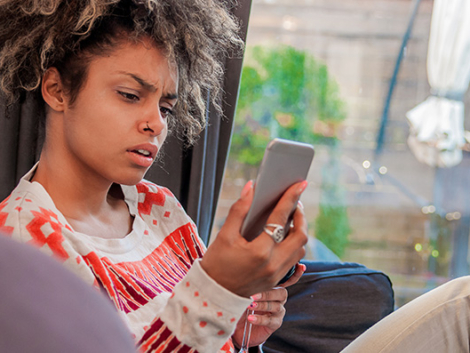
(140,159)
(143,154)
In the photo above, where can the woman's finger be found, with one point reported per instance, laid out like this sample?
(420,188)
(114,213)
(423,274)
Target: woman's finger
(287,203)
(299,223)
(278,294)
(283,209)
(297,236)
(238,211)
(267,307)
(299,271)
(270,321)
(291,250)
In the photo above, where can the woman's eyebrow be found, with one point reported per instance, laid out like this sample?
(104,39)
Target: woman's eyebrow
(147,85)
(171,96)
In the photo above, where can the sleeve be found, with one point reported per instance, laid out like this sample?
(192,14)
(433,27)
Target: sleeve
(199,312)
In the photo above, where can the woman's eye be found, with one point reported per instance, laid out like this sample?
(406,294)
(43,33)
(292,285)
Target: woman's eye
(129,96)
(166,112)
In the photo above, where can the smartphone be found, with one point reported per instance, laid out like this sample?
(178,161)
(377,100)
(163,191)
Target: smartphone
(284,163)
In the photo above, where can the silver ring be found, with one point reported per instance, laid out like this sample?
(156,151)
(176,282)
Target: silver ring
(277,233)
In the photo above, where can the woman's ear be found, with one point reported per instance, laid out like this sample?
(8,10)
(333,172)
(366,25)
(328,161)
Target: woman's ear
(52,90)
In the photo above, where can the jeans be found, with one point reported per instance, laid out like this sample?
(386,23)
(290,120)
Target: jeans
(331,305)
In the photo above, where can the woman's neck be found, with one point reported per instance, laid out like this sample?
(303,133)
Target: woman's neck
(75,190)
(90,207)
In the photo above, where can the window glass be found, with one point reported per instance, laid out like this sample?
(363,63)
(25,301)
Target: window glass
(319,71)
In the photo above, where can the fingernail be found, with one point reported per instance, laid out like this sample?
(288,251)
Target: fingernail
(303,186)
(247,188)
(252,319)
(256,297)
(301,205)
(253,305)
(304,268)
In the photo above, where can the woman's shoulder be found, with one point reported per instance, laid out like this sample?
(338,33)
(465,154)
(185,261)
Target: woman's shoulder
(29,214)
(28,195)
(28,198)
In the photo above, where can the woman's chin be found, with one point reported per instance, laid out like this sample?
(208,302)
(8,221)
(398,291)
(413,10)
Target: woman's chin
(130,179)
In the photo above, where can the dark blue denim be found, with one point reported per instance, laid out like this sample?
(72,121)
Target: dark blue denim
(330,306)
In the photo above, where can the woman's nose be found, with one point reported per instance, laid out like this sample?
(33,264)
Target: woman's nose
(154,122)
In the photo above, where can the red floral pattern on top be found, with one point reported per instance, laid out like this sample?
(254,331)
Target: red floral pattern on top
(130,285)
(3,218)
(151,198)
(53,239)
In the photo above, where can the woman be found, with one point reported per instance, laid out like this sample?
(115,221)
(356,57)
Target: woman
(113,76)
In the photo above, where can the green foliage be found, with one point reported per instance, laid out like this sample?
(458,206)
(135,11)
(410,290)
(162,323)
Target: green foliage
(332,227)
(250,87)
(283,91)
(253,145)
(439,248)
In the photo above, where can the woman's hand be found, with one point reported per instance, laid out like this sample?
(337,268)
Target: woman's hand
(246,268)
(268,313)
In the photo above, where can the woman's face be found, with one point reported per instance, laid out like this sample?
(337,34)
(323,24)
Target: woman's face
(118,122)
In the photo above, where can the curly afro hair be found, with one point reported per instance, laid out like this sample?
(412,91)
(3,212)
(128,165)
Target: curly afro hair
(196,34)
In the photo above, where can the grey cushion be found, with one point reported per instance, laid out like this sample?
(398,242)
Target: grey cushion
(46,308)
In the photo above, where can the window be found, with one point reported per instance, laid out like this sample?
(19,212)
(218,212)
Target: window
(319,72)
